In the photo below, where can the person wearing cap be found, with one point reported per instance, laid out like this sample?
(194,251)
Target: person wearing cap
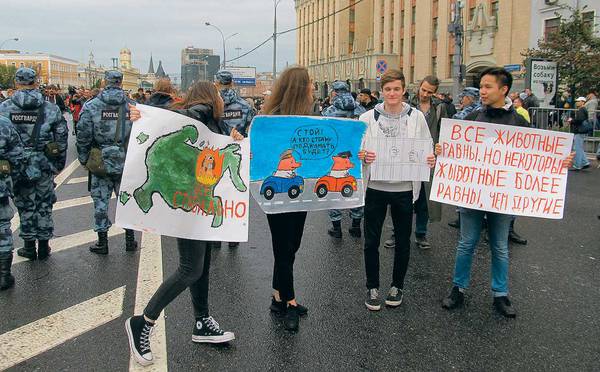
(344,106)
(102,136)
(43,130)
(237,114)
(578,128)
(366,100)
(469,102)
(11,163)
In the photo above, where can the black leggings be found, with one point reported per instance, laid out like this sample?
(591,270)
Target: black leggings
(193,272)
(286,235)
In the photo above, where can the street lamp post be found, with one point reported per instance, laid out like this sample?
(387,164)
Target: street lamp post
(224,40)
(11,39)
(275,4)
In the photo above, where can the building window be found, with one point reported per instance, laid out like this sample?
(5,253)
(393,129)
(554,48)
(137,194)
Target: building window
(495,10)
(21,64)
(588,19)
(550,26)
(412,45)
(435,29)
(402,18)
(434,66)
(450,66)
(412,74)
(402,46)
(413,15)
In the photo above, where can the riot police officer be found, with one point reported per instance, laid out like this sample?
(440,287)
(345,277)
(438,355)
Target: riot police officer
(102,135)
(11,161)
(43,131)
(237,113)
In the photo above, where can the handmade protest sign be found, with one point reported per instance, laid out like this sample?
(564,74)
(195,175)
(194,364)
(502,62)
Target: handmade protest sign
(501,168)
(183,180)
(305,163)
(400,159)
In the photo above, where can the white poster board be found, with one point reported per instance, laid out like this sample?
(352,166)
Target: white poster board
(183,180)
(400,159)
(544,81)
(503,169)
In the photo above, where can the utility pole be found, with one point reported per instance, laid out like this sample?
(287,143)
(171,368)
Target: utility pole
(456,28)
(275,3)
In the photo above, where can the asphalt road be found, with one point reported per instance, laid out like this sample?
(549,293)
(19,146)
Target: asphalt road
(554,287)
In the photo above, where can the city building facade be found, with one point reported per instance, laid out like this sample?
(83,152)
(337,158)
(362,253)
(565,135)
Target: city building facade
(198,64)
(51,69)
(358,40)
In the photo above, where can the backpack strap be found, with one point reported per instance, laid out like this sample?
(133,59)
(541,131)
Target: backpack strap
(35,134)
(120,130)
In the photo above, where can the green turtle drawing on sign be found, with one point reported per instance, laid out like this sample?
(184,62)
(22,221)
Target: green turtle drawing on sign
(185,176)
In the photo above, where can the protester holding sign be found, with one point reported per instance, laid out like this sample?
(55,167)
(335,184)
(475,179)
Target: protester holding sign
(497,109)
(391,119)
(292,95)
(202,103)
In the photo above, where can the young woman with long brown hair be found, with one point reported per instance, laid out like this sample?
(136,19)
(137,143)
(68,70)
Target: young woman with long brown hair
(291,95)
(203,103)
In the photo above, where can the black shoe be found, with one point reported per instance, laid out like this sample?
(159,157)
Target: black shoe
(292,318)
(213,245)
(455,223)
(207,330)
(43,250)
(394,297)
(138,334)
(355,229)
(101,246)
(28,251)
(586,166)
(336,230)
(390,243)
(233,244)
(454,300)
(504,307)
(422,242)
(6,278)
(279,308)
(131,244)
(372,302)
(516,238)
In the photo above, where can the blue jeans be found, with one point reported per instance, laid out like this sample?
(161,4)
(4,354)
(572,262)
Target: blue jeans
(355,214)
(580,158)
(471,222)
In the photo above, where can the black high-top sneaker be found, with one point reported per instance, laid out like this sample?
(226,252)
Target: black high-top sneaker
(28,251)
(101,246)
(336,229)
(130,243)
(207,330)
(6,279)
(355,229)
(138,334)
(43,249)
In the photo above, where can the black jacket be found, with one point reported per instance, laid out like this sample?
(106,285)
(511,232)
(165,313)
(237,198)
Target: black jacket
(203,113)
(450,108)
(581,115)
(369,106)
(160,100)
(506,115)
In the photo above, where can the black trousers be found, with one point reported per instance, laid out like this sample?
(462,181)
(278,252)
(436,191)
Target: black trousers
(192,273)
(376,204)
(286,235)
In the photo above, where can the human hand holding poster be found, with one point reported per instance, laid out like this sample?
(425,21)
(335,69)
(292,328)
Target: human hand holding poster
(400,159)
(503,169)
(183,180)
(305,163)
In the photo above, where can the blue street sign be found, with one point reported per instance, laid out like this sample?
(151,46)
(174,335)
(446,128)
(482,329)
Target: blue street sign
(381,66)
(512,68)
(249,82)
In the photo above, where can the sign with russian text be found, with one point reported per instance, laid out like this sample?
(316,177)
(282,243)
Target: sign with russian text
(183,180)
(502,169)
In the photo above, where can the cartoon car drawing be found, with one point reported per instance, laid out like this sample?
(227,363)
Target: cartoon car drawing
(344,185)
(276,185)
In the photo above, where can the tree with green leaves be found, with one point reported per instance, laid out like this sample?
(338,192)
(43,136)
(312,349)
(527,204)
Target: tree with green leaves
(7,76)
(576,50)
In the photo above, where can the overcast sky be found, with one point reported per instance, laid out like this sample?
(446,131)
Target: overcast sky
(160,27)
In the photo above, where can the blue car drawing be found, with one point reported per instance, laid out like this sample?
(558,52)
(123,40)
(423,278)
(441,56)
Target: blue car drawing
(276,185)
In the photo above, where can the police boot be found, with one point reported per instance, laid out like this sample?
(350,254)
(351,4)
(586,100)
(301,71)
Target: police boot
(336,229)
(355,229)
(130,243)
(28,251)
(6,279)
(101,246)
(43,249)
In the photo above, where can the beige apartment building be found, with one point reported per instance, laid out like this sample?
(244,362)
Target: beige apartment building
(365,37)
(51,69)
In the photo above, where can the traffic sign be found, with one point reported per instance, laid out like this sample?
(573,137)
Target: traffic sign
(381,66)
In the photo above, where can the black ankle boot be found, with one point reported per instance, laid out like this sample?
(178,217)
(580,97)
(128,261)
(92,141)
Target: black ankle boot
(336,230)
(130,243)
(101,246)
(6,279)
(43,249)
(355,229)
(28,251)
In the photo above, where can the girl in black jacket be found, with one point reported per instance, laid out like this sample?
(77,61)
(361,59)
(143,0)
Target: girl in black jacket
(202,103)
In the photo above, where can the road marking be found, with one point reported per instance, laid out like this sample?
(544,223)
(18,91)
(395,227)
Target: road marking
(336,199)
(77,180)
(44,334)
(266,203)
(295,201)
(73,240)
(150,275)
(66,173)
(278,203)
(306,201)
(15,222)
